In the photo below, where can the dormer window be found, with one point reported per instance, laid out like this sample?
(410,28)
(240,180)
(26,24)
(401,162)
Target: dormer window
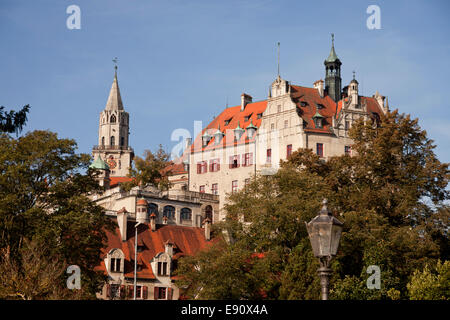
(115,260)
(303,103)
(259,116)
(162,269)
(318,120)
(320,106)
(248,117)
(227,122)
(115,265)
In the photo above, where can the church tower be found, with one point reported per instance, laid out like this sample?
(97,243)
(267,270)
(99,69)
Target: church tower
(333,74)
(113,134)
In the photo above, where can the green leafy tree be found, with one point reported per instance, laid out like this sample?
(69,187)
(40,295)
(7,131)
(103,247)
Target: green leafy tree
(150,170)
(13,121)
(43,199)
(433,283)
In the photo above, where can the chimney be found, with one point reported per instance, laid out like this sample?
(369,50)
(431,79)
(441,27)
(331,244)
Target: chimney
(153,221)
(207,226)
(168,246)
(245,99)
(122,219)
(187,144)
(319,86)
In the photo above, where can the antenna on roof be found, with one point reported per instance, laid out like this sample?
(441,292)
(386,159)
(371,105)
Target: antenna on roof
(278,59)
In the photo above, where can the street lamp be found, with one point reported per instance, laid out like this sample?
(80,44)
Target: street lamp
(324,233)
(135,257)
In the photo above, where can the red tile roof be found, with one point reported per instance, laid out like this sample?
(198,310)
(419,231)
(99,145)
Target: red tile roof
(116,180)
(186,240)
(228,120)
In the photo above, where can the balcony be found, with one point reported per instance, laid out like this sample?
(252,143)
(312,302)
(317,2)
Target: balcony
(109,147)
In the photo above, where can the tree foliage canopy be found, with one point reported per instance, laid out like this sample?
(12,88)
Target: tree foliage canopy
(43,201)
(150,170)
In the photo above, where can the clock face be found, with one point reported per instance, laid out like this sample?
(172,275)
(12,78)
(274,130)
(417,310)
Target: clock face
(112,163)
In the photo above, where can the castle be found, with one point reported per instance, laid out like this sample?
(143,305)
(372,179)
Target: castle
(243,141)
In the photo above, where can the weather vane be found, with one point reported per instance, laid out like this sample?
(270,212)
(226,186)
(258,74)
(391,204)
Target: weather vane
(115,62)
(332,39)
(353,74)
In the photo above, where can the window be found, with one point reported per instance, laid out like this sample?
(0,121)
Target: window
(215,188)
(319,149)
(202,167)
(122,141)
(214,165)
(248,117)
(288,150)
(209,212)
(320,106)
(269,156)
(318,122)
(162,268)
(246,181)
(348,150)
(202,189)
(103,141)
(186,214)
(259,116)
(248,159)
(113,141)
(160,293)
(279,109)
(227,122)
(115,264)
(303,103)
(153,208)
(139,292)
(234,186)
(169,212)
(272,126)
(347,125)
(112,119)
(234,162)
(286,123)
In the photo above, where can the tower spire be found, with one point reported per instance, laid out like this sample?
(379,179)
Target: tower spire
(114,99)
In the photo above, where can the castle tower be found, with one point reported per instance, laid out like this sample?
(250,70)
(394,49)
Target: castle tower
(113,134)
(333,80)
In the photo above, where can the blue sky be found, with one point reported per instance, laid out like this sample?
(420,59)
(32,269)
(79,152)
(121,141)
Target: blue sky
(181,61)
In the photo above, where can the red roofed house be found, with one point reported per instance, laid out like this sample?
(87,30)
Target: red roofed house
(253,137)
(158,248)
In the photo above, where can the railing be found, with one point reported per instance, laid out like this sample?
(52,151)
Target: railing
(110,147)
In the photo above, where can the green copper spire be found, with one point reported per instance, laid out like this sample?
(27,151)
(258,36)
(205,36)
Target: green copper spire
(99,164)
(332,57)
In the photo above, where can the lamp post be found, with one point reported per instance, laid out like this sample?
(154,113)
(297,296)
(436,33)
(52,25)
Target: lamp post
(324,232)
(135,257)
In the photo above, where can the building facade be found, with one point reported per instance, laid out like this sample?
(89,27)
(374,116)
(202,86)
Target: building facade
(253,137)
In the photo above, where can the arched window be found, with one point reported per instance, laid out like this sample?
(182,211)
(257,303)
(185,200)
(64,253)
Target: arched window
(209,212)
(186,214)
(122,141)
(153,208)
(113,140)
(169,212)
(103,141)
(112,119)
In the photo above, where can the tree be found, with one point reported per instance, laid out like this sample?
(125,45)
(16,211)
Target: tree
(150,170)
(386,194)
(36,276)
(13,121)
(433,283)
(43,199)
